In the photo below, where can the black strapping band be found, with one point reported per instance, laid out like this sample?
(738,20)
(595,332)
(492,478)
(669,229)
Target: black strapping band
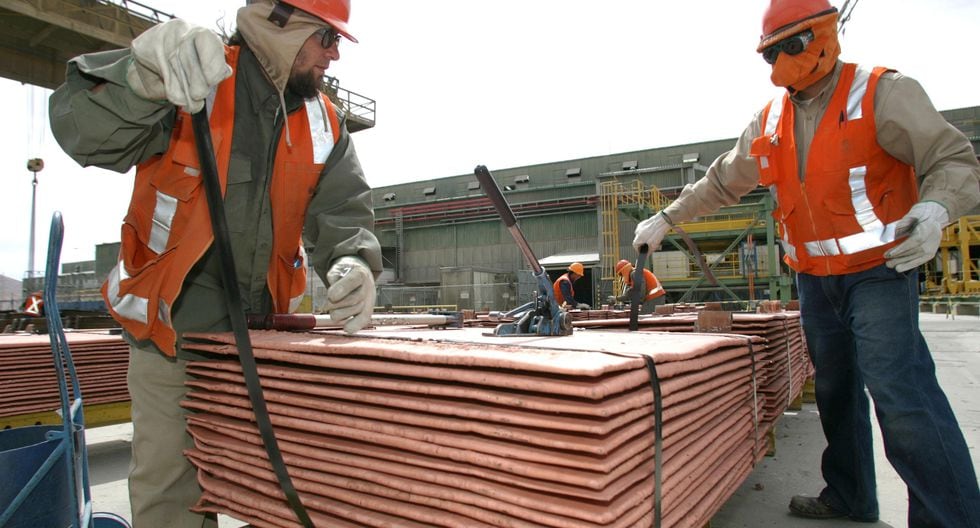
(755,403)
(789,364)
(236,313)
(658,449)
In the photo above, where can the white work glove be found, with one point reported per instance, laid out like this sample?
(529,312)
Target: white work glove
(351,295)
(924,226)
(651,232)
(177,62)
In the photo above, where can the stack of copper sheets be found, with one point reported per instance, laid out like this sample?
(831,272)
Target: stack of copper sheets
(28,381)
(456,428)
(783,358)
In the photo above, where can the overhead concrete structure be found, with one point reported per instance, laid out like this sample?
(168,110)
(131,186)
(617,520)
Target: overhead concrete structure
(37,37)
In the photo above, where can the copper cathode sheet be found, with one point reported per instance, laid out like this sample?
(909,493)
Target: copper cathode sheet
(333,476)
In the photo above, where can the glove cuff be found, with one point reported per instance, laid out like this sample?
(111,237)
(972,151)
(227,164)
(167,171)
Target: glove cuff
(933,210)
(145,83)
(350,260)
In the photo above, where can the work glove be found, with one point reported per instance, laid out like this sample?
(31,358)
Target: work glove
(924,226)
(177,62)
(351,295)
(651,232)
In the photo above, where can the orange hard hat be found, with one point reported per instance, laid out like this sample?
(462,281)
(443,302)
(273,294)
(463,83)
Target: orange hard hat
(577,267)
(783,16)
(333,12)
(624,267)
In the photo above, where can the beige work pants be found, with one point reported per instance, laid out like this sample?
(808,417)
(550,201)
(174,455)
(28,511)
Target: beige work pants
(162,483)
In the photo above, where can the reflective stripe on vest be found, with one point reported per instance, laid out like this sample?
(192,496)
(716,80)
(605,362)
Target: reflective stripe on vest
(163,218)
(875,232)
(775,112)
(320,130)
(129,306)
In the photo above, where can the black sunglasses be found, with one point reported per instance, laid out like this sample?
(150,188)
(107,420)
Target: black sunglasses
(790,45)
(328,36)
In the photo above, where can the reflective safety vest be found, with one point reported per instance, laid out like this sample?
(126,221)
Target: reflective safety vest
(842,218)
(653,287)
(167,228)
(559,298)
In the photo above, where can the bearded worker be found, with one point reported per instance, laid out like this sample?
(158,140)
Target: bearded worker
(291,180)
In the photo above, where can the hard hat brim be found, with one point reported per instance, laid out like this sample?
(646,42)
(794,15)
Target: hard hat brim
(797,27)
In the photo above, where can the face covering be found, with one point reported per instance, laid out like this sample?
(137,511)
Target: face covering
(799,72)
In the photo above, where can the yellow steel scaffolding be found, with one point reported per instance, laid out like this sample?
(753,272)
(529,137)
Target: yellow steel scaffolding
(960,274)
(614,195)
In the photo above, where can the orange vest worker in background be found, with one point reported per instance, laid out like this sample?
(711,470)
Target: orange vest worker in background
(564,292)
(654,291)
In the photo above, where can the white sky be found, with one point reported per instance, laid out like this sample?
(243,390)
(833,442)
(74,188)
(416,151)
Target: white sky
(508,83)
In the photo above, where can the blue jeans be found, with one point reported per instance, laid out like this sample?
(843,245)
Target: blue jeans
(862,330)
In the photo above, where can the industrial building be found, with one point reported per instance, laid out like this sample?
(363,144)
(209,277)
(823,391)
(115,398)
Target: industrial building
(449,427)
(446,248)
(445,245)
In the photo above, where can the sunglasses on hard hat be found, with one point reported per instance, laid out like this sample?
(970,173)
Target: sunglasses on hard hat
(791,46)
(328,36)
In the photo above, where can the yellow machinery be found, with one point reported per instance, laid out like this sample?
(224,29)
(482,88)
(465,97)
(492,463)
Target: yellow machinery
(959,274)
(738,240)
(614,195)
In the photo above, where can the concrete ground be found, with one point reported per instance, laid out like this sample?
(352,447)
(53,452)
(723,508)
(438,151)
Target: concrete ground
(761,501)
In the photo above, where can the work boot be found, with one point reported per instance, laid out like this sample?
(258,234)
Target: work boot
(813,508)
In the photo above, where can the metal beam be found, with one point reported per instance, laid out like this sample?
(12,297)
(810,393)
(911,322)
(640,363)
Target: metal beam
(42,35)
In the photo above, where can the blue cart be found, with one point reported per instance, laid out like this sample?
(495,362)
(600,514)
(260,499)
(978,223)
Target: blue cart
(45,467)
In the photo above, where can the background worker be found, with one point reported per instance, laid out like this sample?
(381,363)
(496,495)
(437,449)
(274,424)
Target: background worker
(865,173)
(291,178)
(654,290)
(564,292)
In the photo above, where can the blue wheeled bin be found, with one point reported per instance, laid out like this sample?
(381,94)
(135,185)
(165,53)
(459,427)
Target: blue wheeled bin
(45,482)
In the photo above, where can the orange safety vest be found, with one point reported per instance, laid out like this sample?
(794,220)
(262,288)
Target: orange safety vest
(842,218)
(654,289)
(559,298)
(168,229)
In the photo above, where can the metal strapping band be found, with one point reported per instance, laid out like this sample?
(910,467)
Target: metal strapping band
(236,313)
(755,403)
(789,364)
(658,450)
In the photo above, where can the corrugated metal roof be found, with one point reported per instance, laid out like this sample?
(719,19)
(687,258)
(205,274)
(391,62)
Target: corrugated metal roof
(566,259)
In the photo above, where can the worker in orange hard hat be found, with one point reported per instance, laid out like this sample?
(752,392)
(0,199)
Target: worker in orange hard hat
(289,173)
(654,295)
(865,174)
(564,292)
